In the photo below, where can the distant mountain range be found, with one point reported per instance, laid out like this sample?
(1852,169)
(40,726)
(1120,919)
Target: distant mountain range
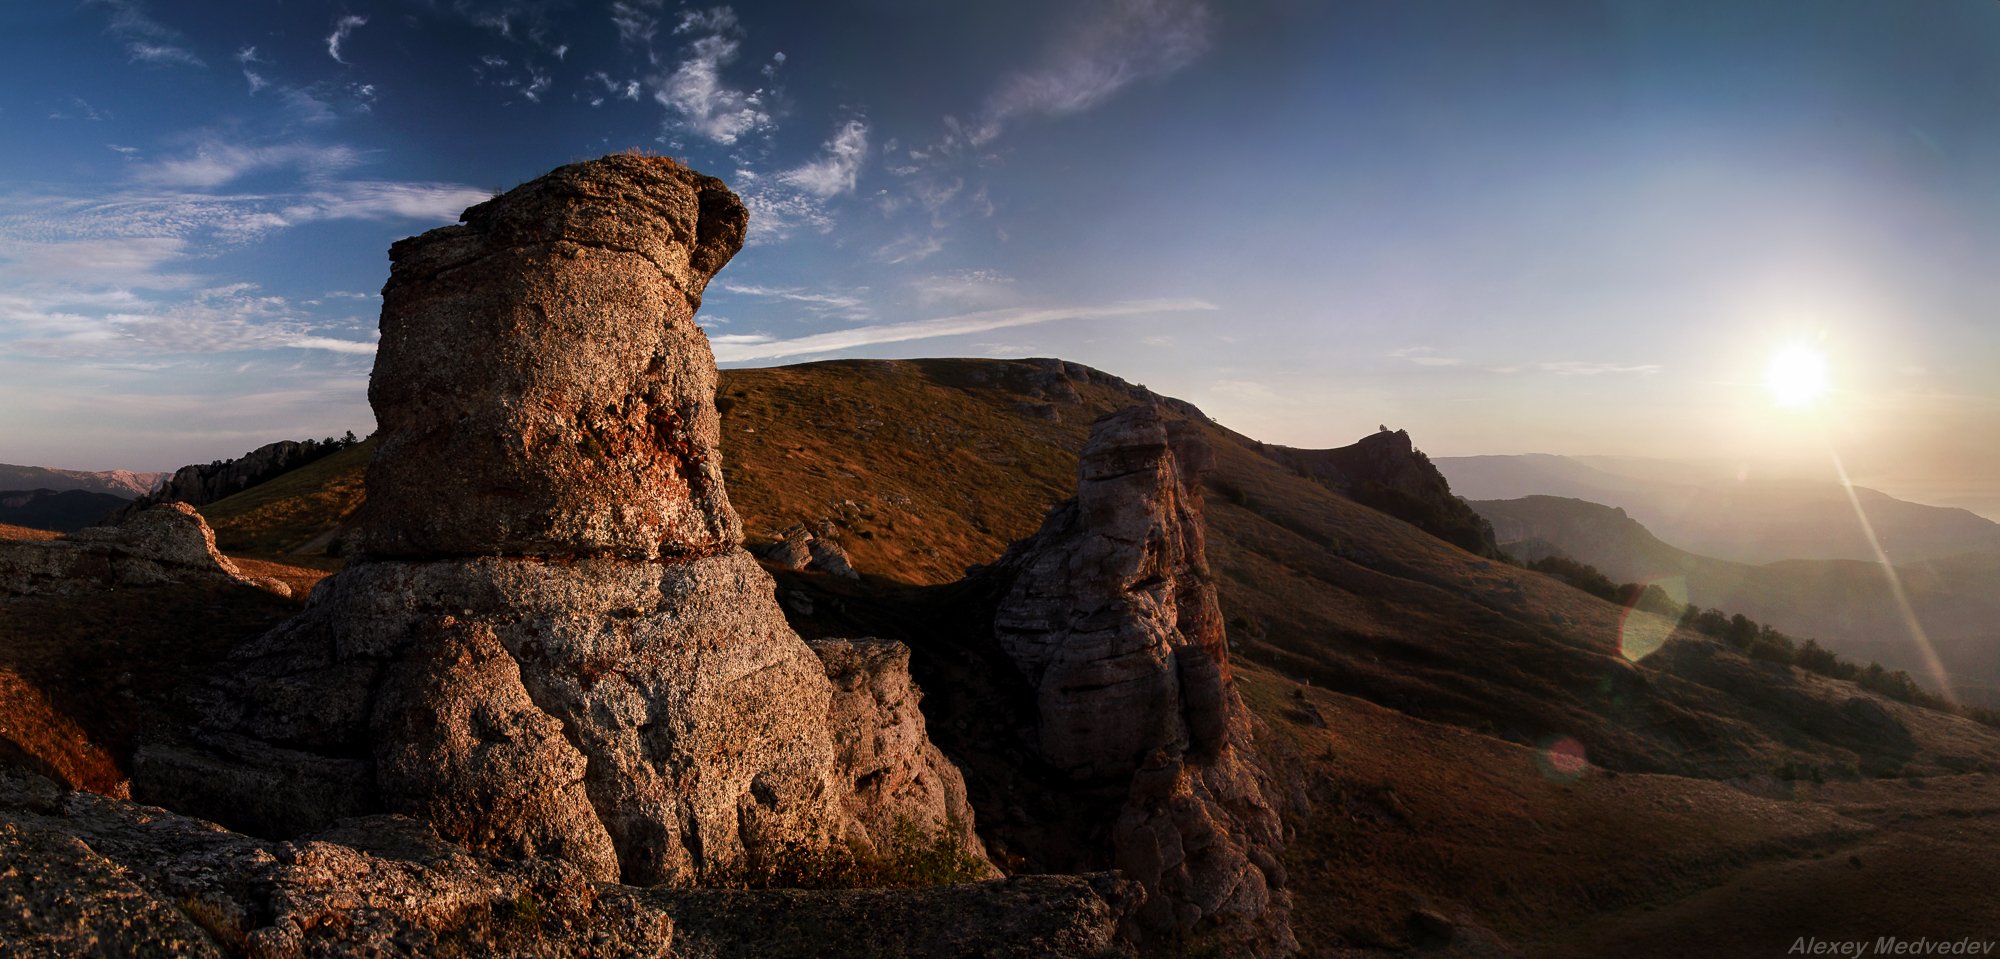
(1748,520)
(123,483)
(1846,604)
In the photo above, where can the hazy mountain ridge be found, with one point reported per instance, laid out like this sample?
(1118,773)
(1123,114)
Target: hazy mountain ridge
(1848,605)
(123,483)
(1746,520)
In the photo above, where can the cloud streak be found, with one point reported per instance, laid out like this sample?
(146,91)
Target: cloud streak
(737,348)
(1095,56)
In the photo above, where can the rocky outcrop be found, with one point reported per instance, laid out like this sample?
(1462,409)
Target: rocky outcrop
(86,875)
(1112,619)
(1385,472)
(552,643)
(200,484)
(161,545)
(799,549)
(898,780)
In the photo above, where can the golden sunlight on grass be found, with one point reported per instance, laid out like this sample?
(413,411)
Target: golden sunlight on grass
(1797,377)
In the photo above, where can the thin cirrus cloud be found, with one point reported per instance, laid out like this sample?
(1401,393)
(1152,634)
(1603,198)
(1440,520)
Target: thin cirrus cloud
(737,348)
(1584,368)
(1097,55)
(146,40)
(1425,356)
(215,163)
(342,29)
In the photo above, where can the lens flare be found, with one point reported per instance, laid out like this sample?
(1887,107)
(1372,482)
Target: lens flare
(1797,377)
(1561,758)
(1642,633)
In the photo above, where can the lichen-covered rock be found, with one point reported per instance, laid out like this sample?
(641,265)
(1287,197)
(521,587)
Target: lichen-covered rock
(164,544)
(897,779)
(541,386)
(1111,617)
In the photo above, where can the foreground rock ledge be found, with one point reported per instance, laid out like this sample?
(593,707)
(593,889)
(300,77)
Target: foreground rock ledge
(84,875)
(553,644)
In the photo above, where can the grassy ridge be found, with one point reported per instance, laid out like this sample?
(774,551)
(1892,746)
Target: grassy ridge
(295,512)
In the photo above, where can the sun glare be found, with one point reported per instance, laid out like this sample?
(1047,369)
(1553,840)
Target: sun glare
(1797,377)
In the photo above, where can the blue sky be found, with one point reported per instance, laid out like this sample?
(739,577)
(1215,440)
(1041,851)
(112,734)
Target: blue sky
(1505,226)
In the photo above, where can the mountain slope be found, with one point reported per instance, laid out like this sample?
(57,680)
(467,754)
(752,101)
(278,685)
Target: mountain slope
(1846,605)
(1747,520)
(64,511)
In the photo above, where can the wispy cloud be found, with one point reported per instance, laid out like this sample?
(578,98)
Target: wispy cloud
(1583,368)
(695,93)
(964,287)
(146,40)
(1097,53)
(738,348)
(1425,356)
(342,29)
(838,166)
(837,301)
(246,57)
(216,162)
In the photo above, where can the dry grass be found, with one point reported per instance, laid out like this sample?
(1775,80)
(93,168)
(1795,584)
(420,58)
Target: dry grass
(295,514)
(8,531)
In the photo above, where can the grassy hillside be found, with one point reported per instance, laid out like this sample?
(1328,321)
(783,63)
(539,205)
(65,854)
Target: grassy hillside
(296,514)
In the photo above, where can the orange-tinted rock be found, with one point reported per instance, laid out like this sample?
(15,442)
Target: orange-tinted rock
(541,386)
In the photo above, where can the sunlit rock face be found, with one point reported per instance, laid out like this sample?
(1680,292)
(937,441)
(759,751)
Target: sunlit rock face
(1112,619)
(541,386)
(553,644)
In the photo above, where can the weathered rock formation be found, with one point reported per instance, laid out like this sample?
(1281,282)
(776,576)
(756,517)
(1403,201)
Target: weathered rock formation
(83,875)
(898,780)
(1385,472)
(164,544)
(1112,619)
(552,643)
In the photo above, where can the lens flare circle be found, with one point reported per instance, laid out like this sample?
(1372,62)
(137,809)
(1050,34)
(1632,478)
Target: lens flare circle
(1562,759)
(1798,377)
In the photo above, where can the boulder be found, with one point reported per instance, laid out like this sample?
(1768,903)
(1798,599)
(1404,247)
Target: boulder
(169,543)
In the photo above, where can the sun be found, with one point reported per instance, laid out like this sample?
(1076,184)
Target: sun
(1797,377)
